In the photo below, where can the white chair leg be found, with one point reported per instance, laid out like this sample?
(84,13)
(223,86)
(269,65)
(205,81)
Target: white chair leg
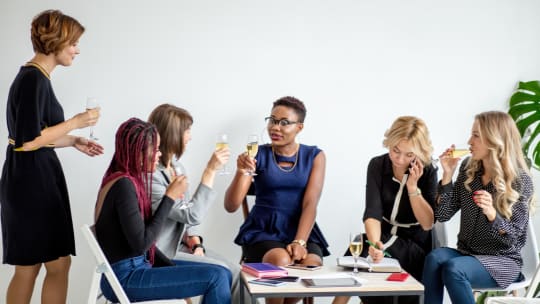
(94,288)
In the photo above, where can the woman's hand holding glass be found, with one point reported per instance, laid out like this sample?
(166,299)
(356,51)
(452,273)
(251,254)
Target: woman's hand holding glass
(244,163)
(177,187)
(92,104)
(252,148)
(221,155)
(449,163)
(86,119)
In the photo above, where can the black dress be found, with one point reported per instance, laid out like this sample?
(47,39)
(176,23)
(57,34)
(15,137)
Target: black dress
(34,203)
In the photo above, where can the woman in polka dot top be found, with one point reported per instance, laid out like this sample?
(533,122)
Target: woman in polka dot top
(493,191)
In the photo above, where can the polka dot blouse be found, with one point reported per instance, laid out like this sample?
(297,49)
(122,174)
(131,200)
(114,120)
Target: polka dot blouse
(497,245)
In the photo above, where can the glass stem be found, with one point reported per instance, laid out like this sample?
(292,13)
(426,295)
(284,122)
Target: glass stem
(355,270)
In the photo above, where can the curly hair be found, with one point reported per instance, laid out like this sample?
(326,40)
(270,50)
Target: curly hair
(293,103)
(52,31)
(171,123)
(414,130)
(500,134)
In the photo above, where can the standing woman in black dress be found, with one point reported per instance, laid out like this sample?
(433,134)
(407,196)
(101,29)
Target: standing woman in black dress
(36,218)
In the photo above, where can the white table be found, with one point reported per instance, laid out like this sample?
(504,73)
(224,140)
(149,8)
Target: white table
(373,284)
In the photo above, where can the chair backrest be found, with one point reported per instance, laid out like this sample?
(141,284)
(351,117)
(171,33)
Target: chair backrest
(530,255)
(439,236)
(104,268)
(531,263)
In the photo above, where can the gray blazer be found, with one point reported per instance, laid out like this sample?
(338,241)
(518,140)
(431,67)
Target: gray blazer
(179,220)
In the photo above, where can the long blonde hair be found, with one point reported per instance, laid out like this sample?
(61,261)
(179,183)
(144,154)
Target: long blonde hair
(414,130)
(499,133)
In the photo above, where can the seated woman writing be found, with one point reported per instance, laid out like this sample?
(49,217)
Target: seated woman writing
(281,228)
(400,195)
(127,231)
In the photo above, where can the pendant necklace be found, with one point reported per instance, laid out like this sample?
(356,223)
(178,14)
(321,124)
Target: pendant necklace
(294,164)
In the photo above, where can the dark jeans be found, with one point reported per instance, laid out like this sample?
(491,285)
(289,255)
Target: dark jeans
(458,272)
(142,282)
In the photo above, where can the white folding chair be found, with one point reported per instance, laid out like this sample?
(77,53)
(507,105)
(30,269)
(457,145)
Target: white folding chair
(511,300)
(439,236)
(530,265)
(103,267)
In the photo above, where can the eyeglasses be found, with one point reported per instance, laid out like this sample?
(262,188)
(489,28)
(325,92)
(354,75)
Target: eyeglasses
(281,122)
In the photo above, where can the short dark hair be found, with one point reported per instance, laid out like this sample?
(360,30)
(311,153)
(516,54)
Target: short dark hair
(52,31)
(293,103)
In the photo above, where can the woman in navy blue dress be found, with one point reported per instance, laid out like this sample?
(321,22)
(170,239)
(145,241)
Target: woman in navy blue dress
(281,228)
(36,218)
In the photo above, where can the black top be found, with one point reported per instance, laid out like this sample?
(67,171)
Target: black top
(381,191)
(120,228)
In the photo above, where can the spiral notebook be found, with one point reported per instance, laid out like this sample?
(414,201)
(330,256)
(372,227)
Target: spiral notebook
(386,265)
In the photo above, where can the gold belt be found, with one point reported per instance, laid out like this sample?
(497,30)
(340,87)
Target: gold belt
(20,149)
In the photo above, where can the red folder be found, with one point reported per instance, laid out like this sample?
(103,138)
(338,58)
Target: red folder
(264,270)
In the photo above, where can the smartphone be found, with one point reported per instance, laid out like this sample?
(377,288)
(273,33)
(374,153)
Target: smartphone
(398,276)
(287,279)
(303,267)
(268,282)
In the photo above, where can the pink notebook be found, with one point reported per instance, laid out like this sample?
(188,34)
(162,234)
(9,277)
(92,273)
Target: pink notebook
(264,270)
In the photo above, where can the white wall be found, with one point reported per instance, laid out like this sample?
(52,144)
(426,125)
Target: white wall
(356,64)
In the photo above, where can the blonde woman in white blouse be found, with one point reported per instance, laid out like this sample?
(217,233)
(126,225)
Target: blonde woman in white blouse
(493,191)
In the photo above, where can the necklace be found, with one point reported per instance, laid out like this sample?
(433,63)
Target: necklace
(39,67)
(294,164)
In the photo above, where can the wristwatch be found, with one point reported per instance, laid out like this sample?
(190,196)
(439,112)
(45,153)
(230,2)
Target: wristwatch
(416,193)
(300,242)
(194,247)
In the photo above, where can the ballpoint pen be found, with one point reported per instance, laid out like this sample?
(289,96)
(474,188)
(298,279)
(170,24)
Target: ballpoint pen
(386,254)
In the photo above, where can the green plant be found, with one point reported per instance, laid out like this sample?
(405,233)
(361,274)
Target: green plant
(525,110)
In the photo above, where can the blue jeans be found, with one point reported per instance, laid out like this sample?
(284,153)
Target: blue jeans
(141,282)
(458,272)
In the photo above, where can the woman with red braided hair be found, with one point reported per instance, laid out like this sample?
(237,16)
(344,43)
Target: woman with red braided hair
(127,231)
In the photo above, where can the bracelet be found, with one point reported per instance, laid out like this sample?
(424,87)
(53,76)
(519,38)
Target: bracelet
(416,193)
(300,242)
(194,247)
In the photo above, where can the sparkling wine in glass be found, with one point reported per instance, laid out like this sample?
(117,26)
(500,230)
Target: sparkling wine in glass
(92,103)
(355,247)
(222,142)
(456,153)
(184,201)
(252,149)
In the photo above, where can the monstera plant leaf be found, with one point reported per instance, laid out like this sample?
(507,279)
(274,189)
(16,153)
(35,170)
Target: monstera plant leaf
(525,110)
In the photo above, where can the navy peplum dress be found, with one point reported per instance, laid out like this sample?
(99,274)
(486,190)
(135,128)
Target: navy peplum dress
(278,199)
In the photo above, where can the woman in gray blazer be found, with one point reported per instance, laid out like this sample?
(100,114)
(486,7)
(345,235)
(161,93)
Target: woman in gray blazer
(180,238)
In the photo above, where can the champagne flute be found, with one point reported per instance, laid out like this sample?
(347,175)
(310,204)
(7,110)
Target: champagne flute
(355,247)
(456,153)
(252,149)
(222,142)
(92,103)
(184,201)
